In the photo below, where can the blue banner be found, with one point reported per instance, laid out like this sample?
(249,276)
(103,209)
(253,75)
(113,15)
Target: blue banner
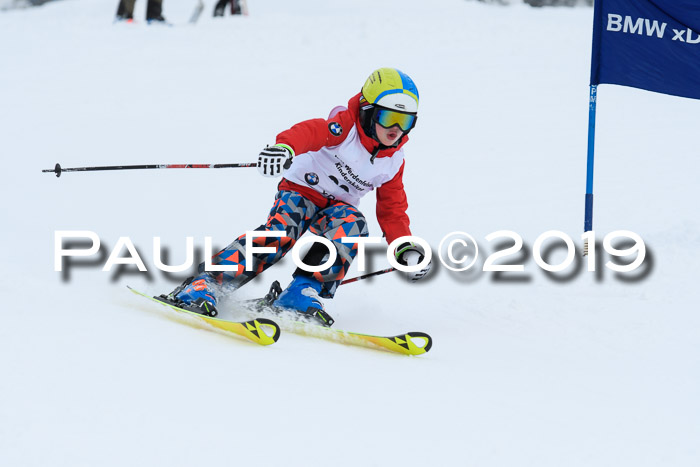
(648,44)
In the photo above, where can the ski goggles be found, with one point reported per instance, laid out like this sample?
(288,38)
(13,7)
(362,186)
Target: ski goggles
(389,118)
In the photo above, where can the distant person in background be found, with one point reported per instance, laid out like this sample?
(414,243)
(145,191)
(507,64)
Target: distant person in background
(238,7)
(154,11)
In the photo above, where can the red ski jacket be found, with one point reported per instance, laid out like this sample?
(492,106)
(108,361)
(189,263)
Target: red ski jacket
(313,135)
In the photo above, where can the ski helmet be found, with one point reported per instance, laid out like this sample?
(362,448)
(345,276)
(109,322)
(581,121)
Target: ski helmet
(389,97)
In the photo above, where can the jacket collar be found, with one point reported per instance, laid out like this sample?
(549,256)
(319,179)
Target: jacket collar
(371,145)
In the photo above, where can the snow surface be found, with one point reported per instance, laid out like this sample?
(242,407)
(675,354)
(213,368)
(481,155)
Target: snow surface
(590,371)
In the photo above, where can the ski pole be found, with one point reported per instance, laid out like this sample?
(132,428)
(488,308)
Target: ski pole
(198,8)
(371,274)
(58,169)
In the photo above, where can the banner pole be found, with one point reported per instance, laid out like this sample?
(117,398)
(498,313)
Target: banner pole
(588,217)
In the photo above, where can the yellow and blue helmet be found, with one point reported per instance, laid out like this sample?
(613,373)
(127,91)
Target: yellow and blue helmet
(392,89)
(389,98)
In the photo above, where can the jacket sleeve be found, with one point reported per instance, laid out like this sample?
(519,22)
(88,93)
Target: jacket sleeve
(312,135)
(391,208)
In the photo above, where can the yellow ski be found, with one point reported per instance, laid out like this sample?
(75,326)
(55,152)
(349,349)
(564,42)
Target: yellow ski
(411,343)
(318,324)
(261,331)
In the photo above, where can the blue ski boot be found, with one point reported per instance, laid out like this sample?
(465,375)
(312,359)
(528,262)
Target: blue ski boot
(301,296)
(196,295)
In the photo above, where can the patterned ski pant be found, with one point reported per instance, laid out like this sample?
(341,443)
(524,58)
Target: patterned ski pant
(295,214)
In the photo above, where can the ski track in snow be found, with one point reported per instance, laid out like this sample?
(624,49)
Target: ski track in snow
(543,373)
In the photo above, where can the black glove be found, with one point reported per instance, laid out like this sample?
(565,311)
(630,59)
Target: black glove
(273,160)
(407,254)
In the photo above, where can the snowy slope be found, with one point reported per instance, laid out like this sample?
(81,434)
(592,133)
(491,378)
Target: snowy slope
(588,371)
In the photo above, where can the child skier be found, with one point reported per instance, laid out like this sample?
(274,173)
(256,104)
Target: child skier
(328,166)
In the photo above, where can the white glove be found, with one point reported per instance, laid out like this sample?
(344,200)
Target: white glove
(274,160)
(408,255)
